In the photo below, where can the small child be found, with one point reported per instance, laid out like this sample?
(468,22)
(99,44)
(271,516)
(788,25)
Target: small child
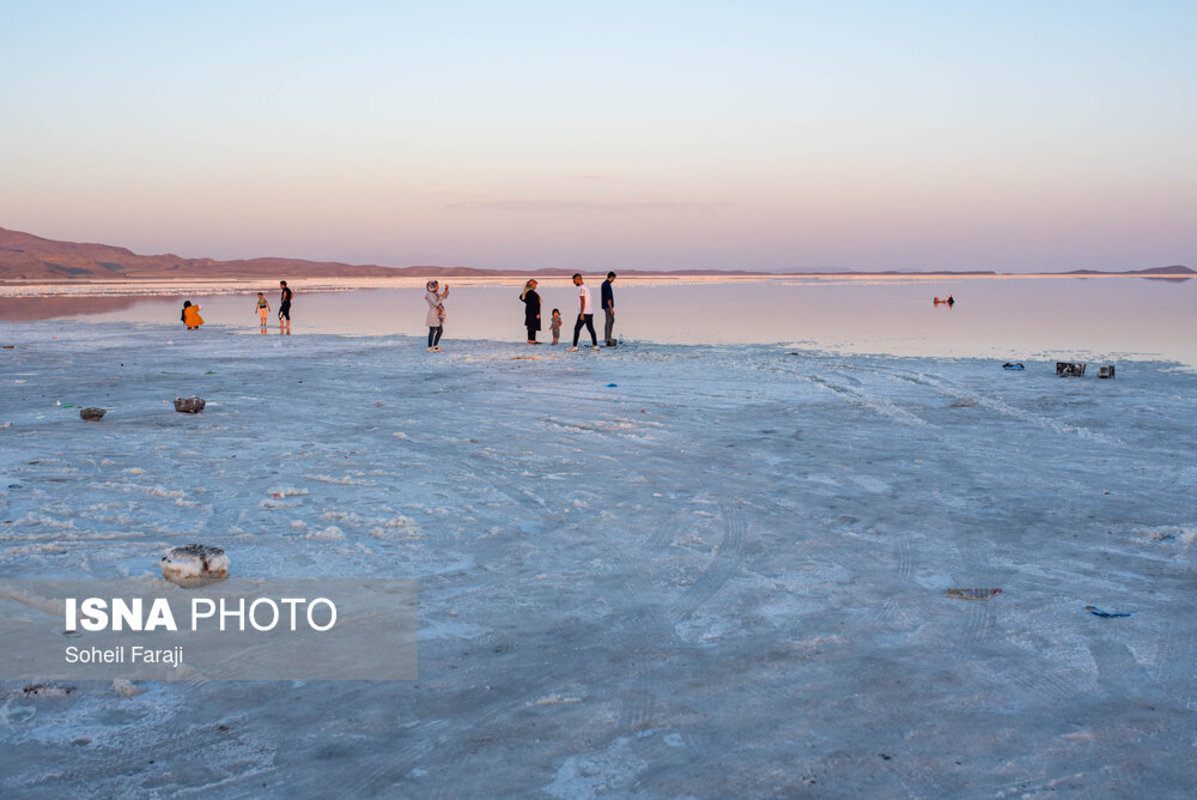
(263,306)
(555,325)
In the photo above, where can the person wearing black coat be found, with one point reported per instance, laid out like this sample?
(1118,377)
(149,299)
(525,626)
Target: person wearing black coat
(531,310)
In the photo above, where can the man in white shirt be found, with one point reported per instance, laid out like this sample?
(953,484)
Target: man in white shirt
(585,314)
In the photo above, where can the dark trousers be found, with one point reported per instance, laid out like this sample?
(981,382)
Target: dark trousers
(434,335)
(608,327)
(588,321)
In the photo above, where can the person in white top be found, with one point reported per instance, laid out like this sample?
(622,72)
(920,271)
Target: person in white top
(585,314)
(436,314)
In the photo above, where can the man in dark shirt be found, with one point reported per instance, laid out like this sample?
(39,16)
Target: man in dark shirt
(284,309)
(608,303)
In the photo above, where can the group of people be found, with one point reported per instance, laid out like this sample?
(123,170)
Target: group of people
(262,306)
(435,296)
(532,313)
(192,319)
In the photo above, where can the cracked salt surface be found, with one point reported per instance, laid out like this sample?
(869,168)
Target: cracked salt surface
(725,577)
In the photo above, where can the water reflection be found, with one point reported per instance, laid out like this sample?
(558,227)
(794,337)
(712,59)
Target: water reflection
(30,309)
(1007,318)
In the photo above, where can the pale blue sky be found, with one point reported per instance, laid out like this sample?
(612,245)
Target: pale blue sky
(1014,136)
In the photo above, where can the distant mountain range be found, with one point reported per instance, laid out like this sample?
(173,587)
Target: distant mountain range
(1164,271)
(25,258)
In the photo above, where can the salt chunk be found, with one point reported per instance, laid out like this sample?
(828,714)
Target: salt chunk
(190,405)
(195,563)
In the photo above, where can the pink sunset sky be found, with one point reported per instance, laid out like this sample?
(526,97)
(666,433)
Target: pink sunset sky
(1015,137)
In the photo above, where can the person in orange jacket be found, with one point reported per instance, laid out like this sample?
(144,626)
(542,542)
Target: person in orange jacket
(191,317)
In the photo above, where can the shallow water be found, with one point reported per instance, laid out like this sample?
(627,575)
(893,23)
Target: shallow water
(1010,318)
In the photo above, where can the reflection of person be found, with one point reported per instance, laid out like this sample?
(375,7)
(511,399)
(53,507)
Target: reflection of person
(531,310)
(263,307)
(607,299)
(436,314)
(284,308)
(555,326)
(585,314)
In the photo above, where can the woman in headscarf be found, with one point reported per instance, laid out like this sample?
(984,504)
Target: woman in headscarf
(191,317)
(436,314)
(531,310)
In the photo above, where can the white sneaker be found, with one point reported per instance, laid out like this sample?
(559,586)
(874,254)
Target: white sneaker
(571,349)
(436,348)
(430,349)
(594,347)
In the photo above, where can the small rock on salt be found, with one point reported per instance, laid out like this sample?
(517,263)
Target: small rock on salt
(195,563)
(190,405)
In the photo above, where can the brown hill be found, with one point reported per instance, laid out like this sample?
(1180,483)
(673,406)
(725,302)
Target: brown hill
(25,257)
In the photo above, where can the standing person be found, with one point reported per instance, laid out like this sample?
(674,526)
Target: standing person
(585,314)
(531,310)
(607,297)
(284,309)
(555,326)
(263,307)
(436,314)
